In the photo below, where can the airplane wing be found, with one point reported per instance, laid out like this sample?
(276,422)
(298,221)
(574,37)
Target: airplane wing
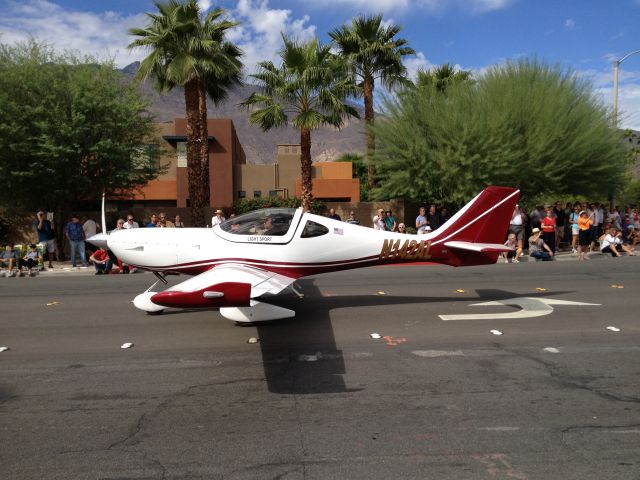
(230,284)
(478,247)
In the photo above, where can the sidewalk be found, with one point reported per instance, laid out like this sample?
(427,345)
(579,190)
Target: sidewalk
(65,268)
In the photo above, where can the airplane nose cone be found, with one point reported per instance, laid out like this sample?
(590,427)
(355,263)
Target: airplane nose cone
(100,240)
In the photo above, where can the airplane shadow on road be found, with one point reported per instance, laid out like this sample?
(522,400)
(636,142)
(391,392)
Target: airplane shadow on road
(300,355)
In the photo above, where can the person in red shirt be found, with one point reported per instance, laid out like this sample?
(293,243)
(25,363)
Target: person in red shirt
(101,261)
(548,225)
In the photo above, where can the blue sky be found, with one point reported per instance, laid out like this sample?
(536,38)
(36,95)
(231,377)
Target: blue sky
(585,35)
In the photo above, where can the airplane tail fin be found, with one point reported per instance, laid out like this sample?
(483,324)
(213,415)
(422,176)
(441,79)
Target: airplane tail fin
(475,235)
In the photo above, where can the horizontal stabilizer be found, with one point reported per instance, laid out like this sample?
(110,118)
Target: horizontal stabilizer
(478,247)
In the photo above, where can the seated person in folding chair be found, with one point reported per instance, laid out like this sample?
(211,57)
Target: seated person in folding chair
(9,260)
(31,259)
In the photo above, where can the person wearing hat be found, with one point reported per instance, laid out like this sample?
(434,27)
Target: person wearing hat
(584,234)
(218,218)
(537,248)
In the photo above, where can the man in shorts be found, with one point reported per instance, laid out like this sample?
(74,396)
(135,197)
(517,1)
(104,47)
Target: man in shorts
(46,236)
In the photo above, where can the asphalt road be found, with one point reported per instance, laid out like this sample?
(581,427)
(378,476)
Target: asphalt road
(557,396)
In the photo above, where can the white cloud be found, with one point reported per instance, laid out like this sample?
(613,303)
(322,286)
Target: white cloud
(260,33)
(434,7)
(569,24)
(204,5)
(102,35)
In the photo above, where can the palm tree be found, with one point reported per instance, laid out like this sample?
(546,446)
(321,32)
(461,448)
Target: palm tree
(189,49)
(442,77)
(308,90)
(373,54)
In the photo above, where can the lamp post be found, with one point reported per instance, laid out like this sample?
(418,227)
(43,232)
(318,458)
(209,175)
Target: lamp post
(616,65)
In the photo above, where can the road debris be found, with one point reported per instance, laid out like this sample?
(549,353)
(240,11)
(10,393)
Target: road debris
(382,293)
(375,335)
(496,332)
(617,286)
(51,304)
(126,345)
(551,350)
(310,358)
(393,341)
(253,340)
(3,349)
(540,289)
(613,329)
(461,290)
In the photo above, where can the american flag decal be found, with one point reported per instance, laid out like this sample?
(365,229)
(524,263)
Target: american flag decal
(338,231)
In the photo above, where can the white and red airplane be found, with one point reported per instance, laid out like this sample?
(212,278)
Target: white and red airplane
(258,254)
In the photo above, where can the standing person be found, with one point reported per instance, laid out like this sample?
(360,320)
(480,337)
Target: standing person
(433,218)
(584,234)
(75,234)
(573,220)
(560,217)
(548,224)
(537,248)
(163,222)
(593,230)
(390,223)
(154,220)
(46,235)
(218,218)
(130,223)
(421,221)
(516,226)
(599,219)
(444,215)
(352,218)
(378,220)
(90,228)
(535,217)
(177,222)
(334,215)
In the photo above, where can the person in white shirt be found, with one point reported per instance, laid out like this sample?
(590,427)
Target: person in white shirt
(218,218)
(378,220)
(130,223)
(90,228)
(612,242)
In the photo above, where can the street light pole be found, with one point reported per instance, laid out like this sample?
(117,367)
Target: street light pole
(616,67)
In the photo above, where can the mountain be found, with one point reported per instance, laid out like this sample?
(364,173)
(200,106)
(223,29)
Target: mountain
(259,147)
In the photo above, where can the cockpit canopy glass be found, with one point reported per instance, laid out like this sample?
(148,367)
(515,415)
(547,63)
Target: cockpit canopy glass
(268,222)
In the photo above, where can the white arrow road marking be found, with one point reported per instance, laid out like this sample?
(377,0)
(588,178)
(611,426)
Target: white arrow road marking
(529,307)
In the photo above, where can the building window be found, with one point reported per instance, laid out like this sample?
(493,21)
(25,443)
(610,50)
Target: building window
(146,156)
(273,193)
(286,149)
(257,194)
(242,194)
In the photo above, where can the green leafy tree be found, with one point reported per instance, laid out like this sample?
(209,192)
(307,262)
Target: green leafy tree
(523,124)
(309,90)
(372,53)
(71,129)
(190,50)
(441,77)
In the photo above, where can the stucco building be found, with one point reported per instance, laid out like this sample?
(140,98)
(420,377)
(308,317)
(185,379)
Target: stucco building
(231,178)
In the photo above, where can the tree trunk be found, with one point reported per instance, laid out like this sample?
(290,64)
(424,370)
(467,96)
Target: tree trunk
(368,121)
(197,150)
(305,169)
